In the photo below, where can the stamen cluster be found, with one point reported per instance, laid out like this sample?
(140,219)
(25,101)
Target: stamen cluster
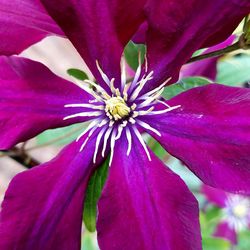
(237,212)
(118,109)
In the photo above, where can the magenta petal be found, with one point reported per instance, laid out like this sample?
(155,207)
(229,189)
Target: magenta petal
(214,195)
(210,133)
(223,230)
(204,68)
(23,23)
(207,67)
(140,35)
(32,100)
(144,205)
(178,28)
(43,206)
(99,29)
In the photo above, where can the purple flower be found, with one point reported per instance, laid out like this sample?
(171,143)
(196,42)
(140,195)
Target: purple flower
(144,205)
(235,212)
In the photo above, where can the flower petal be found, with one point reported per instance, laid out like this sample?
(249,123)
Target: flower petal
(207,67)
(144,205)
(23,23)
(99,29)
(210,133)
(178,28)
(32,100)
(140,35)
(43,206)
(223,230)
(214,195)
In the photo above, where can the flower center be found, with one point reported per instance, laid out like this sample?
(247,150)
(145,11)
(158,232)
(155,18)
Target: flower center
(116,108)
(112,116)
(240,211)
(237,212)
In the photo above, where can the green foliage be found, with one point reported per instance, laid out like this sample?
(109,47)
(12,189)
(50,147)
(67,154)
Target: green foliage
(156,147)
(210,243)
(77,73)
(209,220)
(131,53)
(234,71)
(244,240)
(189,178)
(198,52)
(92,196)
(88,241)
(60,136)
(208,223)
(183,85)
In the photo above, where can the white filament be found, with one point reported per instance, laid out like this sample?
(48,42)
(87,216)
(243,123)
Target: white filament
(90,126)
(120,129)
(98,139)
(104,76)
(137,133)
(158,112)
(129,138)
(147,126)
(112,146)
(154,90)
(86,140)
(112,125)
(83,114)
(84,105)
(106,136)
(141,85)
(123,73)
(138,71)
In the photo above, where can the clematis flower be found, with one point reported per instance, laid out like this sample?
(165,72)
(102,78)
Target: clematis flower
(144,205)
(235,212)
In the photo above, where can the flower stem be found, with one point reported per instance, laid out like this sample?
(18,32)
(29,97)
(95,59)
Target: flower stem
(20,156)
(216,53)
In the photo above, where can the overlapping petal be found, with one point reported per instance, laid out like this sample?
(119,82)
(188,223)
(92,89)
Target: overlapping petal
(23,23)
(178,28)
(145,205)
(210,133)
(223,230)
(99,29)
(207,67)
(214,195)
(32,100)
(43,206)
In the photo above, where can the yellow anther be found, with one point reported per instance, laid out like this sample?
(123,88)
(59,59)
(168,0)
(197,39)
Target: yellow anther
(117,108)
(240,211)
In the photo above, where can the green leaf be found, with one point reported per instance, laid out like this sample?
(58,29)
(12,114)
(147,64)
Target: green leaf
(210,220)
(213,213)
(210,243)
(89,241)
(244,240)
(183,85)
(92,196)
(60,136)
(156,147)
(78,74)
(131,53)
(198,52)
(189,178)
(234,71)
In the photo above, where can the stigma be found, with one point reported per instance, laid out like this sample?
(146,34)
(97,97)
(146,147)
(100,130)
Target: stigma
(114,111)
(116,108)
